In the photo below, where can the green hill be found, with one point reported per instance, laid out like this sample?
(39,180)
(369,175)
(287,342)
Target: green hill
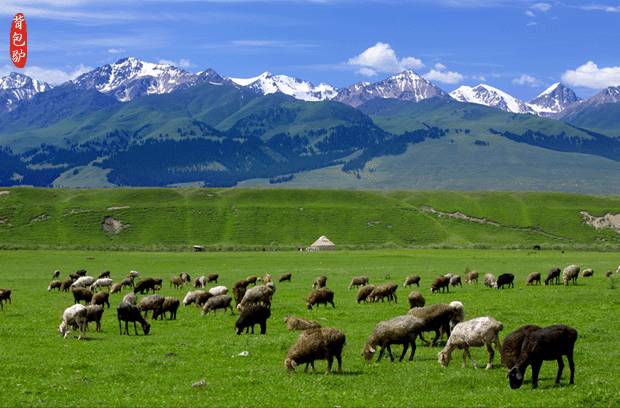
(284,218)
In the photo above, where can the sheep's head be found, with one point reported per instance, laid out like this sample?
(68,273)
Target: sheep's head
(309,305)
(63,329)
(146,327)
(290,365)
(368,352)
(515,377)
(443,358)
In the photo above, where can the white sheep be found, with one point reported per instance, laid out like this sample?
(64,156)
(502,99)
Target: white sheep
(83,282)
(570,273)
(130,298)
(73,316)
(478,332)
(101,283)
(191,296)
(490,280)
(218,290)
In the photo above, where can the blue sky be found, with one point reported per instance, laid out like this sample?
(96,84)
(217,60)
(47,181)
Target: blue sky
(519,46)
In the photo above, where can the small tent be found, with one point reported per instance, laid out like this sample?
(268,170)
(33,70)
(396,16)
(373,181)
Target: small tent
(322,244)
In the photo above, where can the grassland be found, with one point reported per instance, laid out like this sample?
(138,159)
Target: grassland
(232,219)
(41,369)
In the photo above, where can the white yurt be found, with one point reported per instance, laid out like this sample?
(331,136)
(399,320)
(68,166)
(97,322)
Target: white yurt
(322,244)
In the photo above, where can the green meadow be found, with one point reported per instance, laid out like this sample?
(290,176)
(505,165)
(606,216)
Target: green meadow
(39,368)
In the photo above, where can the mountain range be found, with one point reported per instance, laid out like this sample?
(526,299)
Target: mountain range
(138,123)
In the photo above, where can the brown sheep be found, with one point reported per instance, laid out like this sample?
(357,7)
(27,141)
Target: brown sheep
(116,288)
(151,302)
(101,298)
(66,285)
(298,323)
(218,302)
(285,277)
(319,282)
(55,284)
(94,314)
(385,291)
(316,344)
(358,281)
(587,273)
(471,277)
(412,280)
(321,296)
(533,278)
(177,282)
(416,300)
(82,294)
(212,277)
(441,283)
(363,293)
(171,304)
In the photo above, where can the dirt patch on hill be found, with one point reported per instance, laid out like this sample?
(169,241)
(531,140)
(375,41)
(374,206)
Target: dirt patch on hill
(458,215)
(4,193)
(112,226)
(39,218)
(608,220)
(118,208)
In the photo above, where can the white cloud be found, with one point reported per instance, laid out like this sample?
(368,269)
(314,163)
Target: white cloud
(589,75)
(115,50)
(541,7)
(531,23)
(439,74)
(526,80)
(601,7)
(52,76)
(182,63)
(530,13)
(382,58)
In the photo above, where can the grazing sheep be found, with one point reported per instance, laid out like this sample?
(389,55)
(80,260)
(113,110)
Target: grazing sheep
(66,285)
(363,293)
(101,298)
(251,315)
(384,291)
(570,273)
(478,332)
(298,323)
(151,302)
(456,280)
(104,274)
(55,284)
(285,277)
(82,294)
(316,344)
(218,290)
(553,276)
(609,274)
(587,273)
(83,282)
(471,277)
(439,318)
(238,293)
(177,282)
(511,349)
(133,274)
(412,280)
(441,283)
(448,275)
(258,294)
(94,314)
(190,297)
(319,282)
(399,330)
(200,282)
(147,284)
(73,316)
(490,281)
(267,278)
(416,299)
(130,298)
(185,276)
(505,279)
(81,272)
(5,296)
(128,281)
(547,344)
(533,278)
(116,288)
(212,277)
(202,298)
(101,283)
(171,304)
(251,279)
(73,277)
(126,312)
(218,302)
(55,274)
(358,281)
(321,296)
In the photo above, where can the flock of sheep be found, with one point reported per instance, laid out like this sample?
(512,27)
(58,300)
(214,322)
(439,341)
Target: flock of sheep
(527,346)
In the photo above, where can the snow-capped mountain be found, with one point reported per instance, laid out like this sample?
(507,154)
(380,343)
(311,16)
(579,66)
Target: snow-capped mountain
(553,100)
(607,95)
(406,85)
(130,77)
(16,88)
(267,83)
(489,96)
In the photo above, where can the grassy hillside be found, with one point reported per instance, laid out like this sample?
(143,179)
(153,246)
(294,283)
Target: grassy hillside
(239,218)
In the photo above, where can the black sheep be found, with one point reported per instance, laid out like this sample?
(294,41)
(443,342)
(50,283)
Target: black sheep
(251,315)
(511,348)
(553,276)
(505,279)
(126,312)
(82,294)
(550,343)
(441,283)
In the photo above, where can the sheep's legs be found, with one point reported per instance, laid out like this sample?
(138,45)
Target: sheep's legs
(389,349)
(405,348)
(436,339)
(330,362)
(466,354)
(120,330)
(339,359)
(135,328)
(571,365)
(560,368)
(491,355)
(424,340)
(535,370)
(412,350)
(381,354)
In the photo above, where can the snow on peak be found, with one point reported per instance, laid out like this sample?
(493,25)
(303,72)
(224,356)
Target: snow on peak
(550,89)
(487,95)
(553,100)
(16,88)
(267,83)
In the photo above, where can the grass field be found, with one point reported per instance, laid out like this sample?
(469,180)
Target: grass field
(233,219)
(39,368)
